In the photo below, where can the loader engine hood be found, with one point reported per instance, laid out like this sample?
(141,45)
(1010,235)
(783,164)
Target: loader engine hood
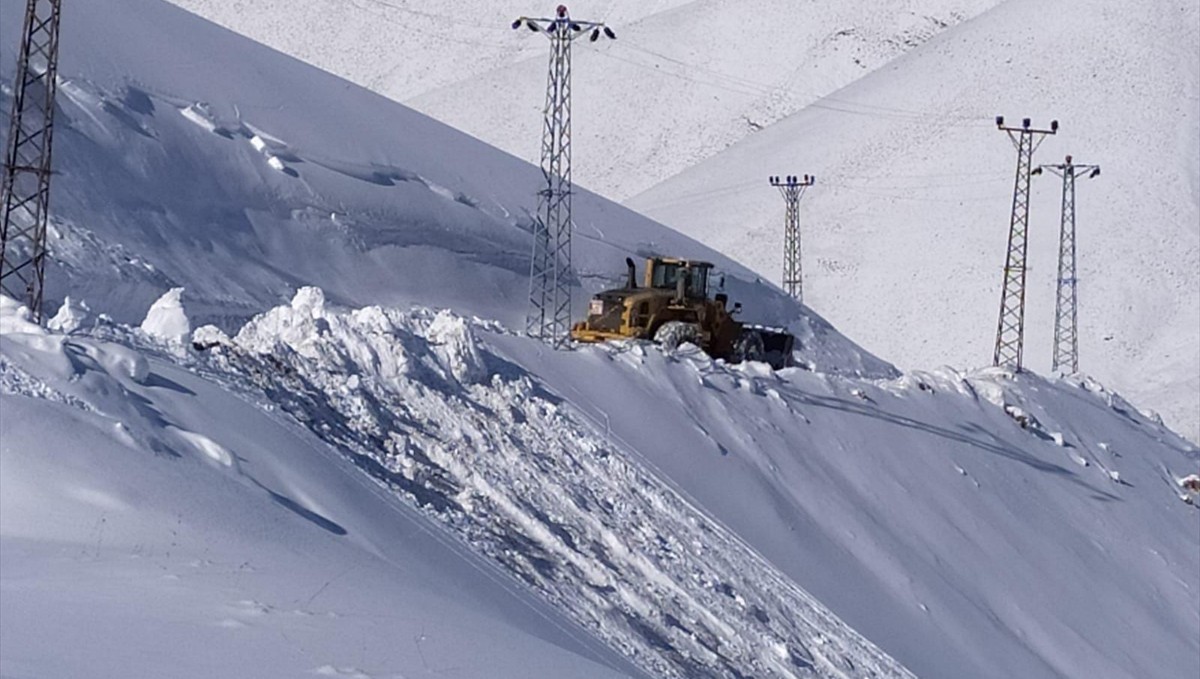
(606,308)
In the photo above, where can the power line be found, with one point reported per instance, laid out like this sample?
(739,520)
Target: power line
(433,16)
(707,195)
(747,86)
(736,84)
(909,187)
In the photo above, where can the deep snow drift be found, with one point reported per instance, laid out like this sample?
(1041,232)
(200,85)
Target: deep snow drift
(154,522)
(339,483)
(907,503)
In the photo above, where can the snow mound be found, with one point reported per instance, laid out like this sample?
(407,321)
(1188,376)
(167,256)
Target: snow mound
(15,318)
(70,316)
(185,507)
(483,449)
(454,342)
(209,336)
(166,319)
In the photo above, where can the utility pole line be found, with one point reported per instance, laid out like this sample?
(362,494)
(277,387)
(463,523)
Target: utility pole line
(25,187)
(549,315)
(792,188)
(1066,308)
(1010,331)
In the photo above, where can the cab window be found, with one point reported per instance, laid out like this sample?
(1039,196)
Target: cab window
(666,275)
(698,285)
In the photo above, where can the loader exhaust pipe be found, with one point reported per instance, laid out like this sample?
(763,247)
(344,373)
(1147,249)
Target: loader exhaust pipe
(632,283)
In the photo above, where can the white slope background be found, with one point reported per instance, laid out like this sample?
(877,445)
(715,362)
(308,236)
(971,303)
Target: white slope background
(891,106)
(376,477)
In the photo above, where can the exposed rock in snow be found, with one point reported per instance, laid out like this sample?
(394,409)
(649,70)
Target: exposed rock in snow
(1191,488)
(166,319)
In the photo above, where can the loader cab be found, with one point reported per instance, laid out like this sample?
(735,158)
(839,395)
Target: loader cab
(665,274)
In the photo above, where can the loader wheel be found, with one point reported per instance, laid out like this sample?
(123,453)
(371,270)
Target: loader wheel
(749,347)
(674,333)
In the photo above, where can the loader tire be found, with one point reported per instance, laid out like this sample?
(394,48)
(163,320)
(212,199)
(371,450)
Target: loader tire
(749,347)
(672,334)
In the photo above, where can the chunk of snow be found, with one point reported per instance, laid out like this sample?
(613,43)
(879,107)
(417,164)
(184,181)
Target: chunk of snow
(199,114)
(311,300)
(1021,416)
(15,318)
(456,347)
(295,325)
(166,319)
(209,336)
(70,317)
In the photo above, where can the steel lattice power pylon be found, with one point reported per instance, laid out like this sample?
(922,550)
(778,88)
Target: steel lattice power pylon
(792,188)
(1010,331)
(26,185)
(1066,308)
(549,317)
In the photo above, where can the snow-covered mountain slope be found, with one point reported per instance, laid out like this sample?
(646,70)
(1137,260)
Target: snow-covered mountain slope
(692,518)
(914,185)
(972,525)
(910,504)
(157,523)
(243,183)
(682,81)
(401,48)
(904,233)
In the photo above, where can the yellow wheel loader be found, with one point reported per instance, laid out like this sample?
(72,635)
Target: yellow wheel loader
(673,306)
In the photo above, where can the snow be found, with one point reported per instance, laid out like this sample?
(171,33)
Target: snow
(891,106)
(530,490)
(657,540)
(166,319)
(910,211)
(355,467)
(932,502)
(377,205)
(682,81)
(151,548)
(70,316)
